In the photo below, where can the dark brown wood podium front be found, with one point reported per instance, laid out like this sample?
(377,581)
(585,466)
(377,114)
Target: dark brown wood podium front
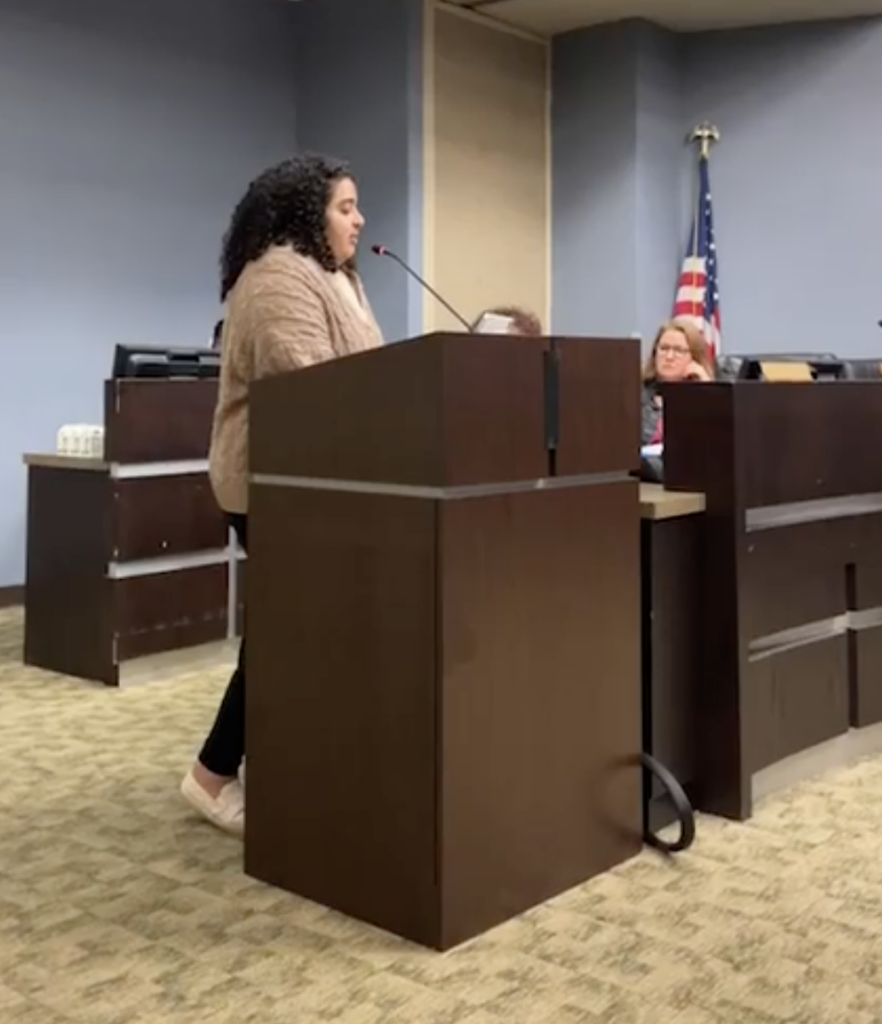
(443,662)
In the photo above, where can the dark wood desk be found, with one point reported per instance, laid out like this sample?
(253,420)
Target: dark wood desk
(790,579)
(128,556)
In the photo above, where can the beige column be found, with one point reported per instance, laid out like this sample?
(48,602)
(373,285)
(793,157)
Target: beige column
(487,181)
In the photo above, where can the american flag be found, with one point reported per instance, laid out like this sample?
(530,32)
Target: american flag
(698,294)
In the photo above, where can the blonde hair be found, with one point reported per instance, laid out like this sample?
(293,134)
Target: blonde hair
(699,349)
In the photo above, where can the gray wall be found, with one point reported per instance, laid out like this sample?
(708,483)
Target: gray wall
(617,160)
(129,129)
(662,164)
(795,180)
(594,182)
(360,96)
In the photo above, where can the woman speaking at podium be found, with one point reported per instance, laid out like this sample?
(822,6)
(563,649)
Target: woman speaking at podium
(293,298)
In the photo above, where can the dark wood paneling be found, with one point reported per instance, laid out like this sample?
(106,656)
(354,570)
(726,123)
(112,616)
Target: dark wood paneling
(700,446)
(171,610)
(341,703)
(599,405)
(672,649)
(10,597)
(793,576)
(795,700)
(701,454)
(750,445)
(865,554)
(158,420)
(541,726)
(866,644)
(440,411)
(172,515)
(787,451)
(494,409)
(866,652)
(67,596)
(803,456)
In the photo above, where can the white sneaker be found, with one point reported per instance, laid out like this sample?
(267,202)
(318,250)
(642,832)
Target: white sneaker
(226,811)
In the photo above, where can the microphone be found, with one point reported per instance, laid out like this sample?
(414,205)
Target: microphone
(381,250)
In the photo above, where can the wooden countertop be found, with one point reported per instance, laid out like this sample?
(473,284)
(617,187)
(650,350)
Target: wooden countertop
(657,503)
(65,462)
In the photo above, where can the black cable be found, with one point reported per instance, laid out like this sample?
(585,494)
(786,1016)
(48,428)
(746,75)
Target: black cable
(682,807)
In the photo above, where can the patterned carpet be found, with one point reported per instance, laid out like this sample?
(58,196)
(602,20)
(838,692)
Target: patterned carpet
(116,907)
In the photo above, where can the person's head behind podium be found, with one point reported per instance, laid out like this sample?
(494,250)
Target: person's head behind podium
(521,321)
(679,352)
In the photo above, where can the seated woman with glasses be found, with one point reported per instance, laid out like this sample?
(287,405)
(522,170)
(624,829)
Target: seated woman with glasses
(680,352)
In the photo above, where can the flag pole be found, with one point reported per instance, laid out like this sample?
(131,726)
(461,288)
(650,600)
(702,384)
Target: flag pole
(705,134)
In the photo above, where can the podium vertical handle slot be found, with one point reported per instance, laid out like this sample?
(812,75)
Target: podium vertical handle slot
(552,405)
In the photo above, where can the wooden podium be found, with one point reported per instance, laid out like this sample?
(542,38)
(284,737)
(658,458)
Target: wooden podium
(443,617)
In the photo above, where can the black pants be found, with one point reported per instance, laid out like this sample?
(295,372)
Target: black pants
(225,747)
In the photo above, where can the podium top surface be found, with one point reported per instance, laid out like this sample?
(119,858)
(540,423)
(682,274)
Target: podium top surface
(453,410)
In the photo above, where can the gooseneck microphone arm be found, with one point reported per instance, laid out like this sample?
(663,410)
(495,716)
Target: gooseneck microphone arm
(381,250)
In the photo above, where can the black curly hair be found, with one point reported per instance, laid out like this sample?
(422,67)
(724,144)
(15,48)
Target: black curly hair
(285,204)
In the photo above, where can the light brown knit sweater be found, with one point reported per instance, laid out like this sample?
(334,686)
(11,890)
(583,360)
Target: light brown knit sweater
(285,312)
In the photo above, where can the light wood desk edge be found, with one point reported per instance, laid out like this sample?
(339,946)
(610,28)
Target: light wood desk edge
(49,461)
(657,503)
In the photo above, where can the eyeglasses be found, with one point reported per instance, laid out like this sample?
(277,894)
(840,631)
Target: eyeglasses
(673,350)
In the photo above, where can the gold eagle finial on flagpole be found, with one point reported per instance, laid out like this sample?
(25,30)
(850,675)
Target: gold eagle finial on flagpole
(706,134)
